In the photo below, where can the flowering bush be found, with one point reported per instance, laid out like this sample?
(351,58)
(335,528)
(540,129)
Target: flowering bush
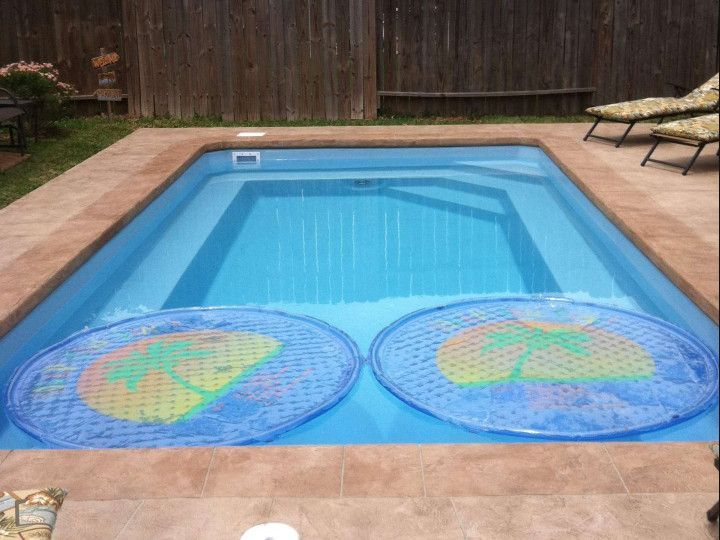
(41,83)
(34,80)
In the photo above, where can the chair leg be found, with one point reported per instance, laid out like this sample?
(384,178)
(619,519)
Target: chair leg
(652,149)
(695,156)
(597,121)
(712,514)
(624,135)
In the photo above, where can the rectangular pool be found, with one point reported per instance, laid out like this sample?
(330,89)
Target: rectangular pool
(359,238)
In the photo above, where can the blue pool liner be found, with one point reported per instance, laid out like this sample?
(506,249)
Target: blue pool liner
(99,388)
(454,362)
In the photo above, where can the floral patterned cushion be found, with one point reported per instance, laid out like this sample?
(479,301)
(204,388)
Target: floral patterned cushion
(703,99)
(702,128)
(29,513)
(713,83)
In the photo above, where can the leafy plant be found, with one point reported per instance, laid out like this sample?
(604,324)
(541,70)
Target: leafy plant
(39,82)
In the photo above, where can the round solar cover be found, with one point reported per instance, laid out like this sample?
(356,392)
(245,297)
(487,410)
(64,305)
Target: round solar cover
(183,377)
(545,368)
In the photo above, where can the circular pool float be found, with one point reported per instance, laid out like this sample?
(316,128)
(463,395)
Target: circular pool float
(545,368)
(204,376)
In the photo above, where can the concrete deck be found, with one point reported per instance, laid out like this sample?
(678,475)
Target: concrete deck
(430,491)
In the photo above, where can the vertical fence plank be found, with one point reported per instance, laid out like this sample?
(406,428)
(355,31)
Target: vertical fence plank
(302,22)
(370,104)
(234,108)
(224,55)
(132,75)
(250,47)
(210,59)
(158,70)
(356,61)
(277,59)
(264,67)
(329,58)
(291,66)
(317,99)
(342,30)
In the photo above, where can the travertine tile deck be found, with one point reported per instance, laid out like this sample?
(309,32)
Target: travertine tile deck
(398,491)
(394,491)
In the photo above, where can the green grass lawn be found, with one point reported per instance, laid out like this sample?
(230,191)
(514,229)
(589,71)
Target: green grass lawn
(77,139)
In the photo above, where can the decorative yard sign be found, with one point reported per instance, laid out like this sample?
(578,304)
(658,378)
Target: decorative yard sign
(105,59)
(107,79)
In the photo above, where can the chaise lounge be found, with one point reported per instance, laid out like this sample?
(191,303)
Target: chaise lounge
(704,99)
(697,131)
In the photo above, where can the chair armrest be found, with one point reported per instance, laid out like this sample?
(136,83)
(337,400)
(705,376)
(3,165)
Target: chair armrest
(9,94)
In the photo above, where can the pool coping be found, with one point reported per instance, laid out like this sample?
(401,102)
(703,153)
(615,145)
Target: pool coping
(45,259)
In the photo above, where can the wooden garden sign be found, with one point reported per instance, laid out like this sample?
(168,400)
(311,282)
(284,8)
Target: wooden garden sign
(107,80)
(105,59)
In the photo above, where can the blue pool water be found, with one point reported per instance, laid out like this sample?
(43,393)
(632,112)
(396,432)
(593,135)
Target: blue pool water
(359,238)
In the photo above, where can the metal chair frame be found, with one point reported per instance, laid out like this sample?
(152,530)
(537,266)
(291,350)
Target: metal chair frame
(17,129)
(685,142)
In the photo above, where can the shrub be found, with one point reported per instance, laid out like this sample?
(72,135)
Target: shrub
(39,82)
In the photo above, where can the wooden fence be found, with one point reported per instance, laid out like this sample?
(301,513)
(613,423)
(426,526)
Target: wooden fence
(66,32)
(251,60)
(326,59)
(451,57)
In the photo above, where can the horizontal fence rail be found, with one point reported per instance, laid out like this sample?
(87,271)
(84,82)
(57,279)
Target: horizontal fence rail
(510,93)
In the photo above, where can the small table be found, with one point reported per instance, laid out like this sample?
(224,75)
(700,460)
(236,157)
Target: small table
(29,106)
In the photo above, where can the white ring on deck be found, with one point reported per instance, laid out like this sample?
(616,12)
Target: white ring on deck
(271,531)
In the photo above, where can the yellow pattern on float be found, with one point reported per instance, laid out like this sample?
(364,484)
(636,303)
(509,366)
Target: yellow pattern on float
(540,351)
(169,378)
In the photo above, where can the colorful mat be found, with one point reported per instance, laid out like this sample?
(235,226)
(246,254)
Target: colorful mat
(545,368)
(183,377)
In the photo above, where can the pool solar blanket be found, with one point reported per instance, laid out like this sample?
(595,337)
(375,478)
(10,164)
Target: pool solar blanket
(183,377)
(545,368)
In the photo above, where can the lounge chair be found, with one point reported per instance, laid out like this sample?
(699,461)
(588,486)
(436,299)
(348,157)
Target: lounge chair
(704,99)
(697,131)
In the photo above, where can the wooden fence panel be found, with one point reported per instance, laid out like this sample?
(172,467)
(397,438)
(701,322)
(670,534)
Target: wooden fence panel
(239,59)
(66,33)
(252,59)
(429,52)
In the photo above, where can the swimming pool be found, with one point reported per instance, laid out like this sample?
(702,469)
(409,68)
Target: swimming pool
(359,238)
